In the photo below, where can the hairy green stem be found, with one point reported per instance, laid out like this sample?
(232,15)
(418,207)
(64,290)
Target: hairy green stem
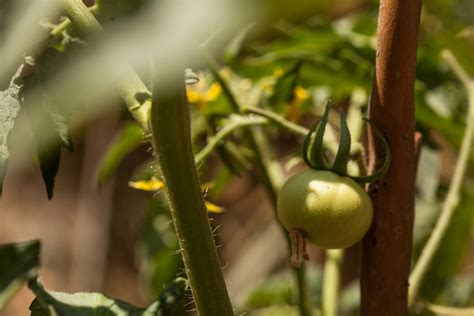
(452,198)
(331,281)
(171,132)
(131,88)
(270,180)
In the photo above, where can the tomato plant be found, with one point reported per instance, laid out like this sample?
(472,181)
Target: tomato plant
(207,107)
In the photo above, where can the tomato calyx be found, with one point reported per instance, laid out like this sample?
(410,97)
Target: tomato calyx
(313,149)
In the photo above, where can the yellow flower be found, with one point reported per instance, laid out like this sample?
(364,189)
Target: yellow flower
(147,185)
(201,99)
(300,95)
(154,185)
(278,72)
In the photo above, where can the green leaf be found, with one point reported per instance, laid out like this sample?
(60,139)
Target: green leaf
(47,140)
(342,155)
(126,141)
(9,107)
(314,151)
(48,118)
(232,49)
(19,263)
(48,303)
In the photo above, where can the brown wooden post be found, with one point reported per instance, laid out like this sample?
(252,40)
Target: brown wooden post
(386,249)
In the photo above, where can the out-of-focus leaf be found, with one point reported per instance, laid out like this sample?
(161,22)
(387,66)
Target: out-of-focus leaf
(10,101)
(274,291)
(349,302)
(277,310)
(453,247)
(158,250)
(233,48)
(427,207)
(47,140)
(126,141)
(427,178)
(280,289)
(19,263)
(284,89)
(459,291)
(48,303)
(48,119)
(445,99)
(111,11)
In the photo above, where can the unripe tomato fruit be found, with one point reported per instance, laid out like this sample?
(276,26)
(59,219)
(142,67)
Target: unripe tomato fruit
(333,211)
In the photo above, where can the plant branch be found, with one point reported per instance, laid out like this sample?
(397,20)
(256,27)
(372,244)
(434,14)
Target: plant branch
(289,126)
(278,120)
(270,180)
(453,196)
(387,247)
(331,281)
(237,122)
(132,90)
(171,132)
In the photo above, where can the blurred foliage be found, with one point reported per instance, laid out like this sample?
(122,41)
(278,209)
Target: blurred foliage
(128,139)
(19,263)
(292,68)
(158,254)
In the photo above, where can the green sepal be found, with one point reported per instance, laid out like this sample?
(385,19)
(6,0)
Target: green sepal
(344,151)
(386,164)
(316,150)
(307,145)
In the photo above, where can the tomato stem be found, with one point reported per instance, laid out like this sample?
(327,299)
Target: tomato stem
(298,248)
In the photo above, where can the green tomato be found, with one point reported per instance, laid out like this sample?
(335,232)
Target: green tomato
(332,211)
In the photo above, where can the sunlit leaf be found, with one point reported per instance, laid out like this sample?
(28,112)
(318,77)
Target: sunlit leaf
(48,303)
(10,101)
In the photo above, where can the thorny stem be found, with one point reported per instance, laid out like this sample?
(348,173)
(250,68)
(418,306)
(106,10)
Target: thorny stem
(132,90)
(171,131)
(452,198)
(269,179)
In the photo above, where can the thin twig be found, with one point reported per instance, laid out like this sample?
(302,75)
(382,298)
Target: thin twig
(225,132)
(292,127)
(452,198)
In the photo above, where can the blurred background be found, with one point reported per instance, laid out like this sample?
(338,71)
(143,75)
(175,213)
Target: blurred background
(105,229)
